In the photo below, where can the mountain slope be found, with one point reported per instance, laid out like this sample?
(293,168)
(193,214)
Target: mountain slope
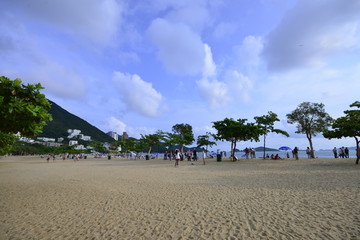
(63,120)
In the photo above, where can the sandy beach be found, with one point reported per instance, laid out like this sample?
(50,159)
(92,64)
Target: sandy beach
(138,199)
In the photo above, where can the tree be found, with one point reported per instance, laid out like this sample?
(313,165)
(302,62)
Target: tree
(150,140)
(266,123)
(347,126)
(98,147)
(182,135)
(204,141)
(311,119)
(236,130)
(23,109)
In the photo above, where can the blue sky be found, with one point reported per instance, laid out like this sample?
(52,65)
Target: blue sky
(142,66)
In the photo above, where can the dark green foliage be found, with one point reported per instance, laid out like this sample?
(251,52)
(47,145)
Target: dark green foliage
(24,148)
(311,119)
(182,135)
(347,126)
(63,120)
(204,141)
(266,123)
(23,108)
(7,141)
(236,130)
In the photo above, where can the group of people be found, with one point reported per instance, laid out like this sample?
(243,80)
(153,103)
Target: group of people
(341,152)
(63,156)
(250,152)
(190,156)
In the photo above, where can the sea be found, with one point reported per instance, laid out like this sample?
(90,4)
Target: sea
(302,154)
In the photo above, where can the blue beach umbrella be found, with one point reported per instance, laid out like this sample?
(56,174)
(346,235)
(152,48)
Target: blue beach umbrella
(284,148)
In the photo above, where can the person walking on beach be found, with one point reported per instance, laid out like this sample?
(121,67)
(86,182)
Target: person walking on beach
(195,155)
(203,155)
(296,153)
(177,158)
(335,152)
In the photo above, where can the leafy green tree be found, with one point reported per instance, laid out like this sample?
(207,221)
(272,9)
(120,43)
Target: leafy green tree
(235,131)
(23,110)
(98,147)
(266,123)
(311,119)
(7,141)
(347,126)
(204,141)
(150,140)
(182,135)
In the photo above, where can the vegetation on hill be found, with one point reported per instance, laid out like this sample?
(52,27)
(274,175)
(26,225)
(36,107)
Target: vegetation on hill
(63,120)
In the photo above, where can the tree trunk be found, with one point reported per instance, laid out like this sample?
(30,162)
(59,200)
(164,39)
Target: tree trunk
(264,146)
(231,149)
(234,150)
(312,155)
(357,150)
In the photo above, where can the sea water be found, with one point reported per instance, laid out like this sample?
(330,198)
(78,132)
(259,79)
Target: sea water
(302,154)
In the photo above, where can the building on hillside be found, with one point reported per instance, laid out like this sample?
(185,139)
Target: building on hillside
(125,136)
(60,139)
(25,139)
(73,133)
(45,139)
(84,138)
(114,135)
(73,142)
(80,147)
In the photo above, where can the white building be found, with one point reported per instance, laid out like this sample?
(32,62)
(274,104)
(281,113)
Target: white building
(45,139)
(73,142)
(83,137)
(114,135)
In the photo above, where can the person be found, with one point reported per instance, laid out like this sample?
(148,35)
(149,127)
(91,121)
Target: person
(335,152)
(346,152)
(296,153)
(203,155)
(195,155)
(177,158)
(308,152)
(287,155)
(272,156)
(277,157)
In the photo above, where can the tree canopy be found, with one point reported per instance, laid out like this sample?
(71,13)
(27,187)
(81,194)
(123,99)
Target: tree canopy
(347,126)
(266,123)
(183,135)
(236,130)
(311,119)
(23,110)
(204,141)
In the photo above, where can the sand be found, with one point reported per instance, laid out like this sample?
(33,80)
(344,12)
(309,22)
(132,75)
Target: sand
(138,199)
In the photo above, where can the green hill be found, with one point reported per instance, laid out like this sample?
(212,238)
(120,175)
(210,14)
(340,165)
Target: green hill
(63,120)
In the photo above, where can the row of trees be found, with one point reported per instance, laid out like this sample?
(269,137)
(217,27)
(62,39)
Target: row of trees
(24,110)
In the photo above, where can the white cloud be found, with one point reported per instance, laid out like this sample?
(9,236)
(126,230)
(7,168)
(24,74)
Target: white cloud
(139,96)
(311,31)
(180,49)
(249,51)
(234,87)
(114,124)
(97,20)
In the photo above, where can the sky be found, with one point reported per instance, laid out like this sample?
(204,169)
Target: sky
(142,66)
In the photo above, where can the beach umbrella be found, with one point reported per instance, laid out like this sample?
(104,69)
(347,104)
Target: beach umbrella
(214,154)
(284,148)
